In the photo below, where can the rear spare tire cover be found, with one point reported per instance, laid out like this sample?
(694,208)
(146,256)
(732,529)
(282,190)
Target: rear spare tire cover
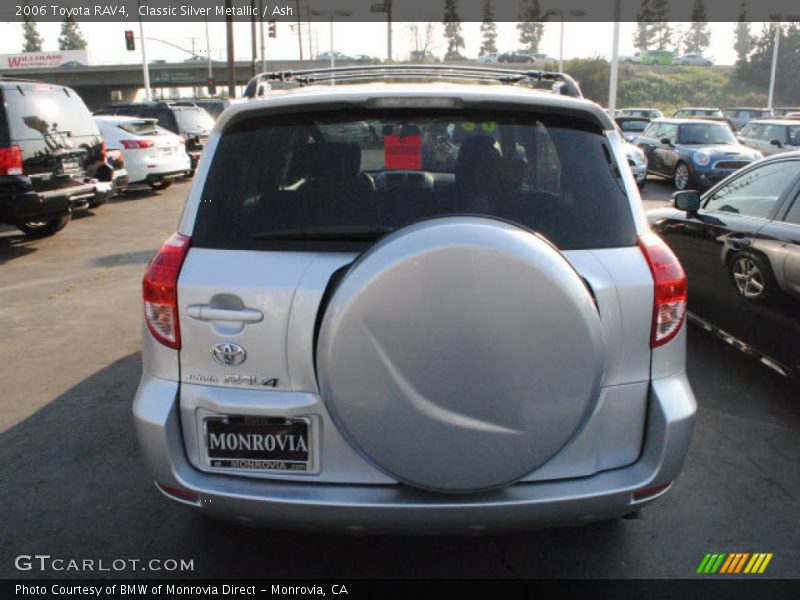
(459,354)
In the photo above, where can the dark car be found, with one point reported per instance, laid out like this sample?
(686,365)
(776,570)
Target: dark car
(51,156)
(740,247)
(693,153)
(191,122)
(515,57)
(632,126)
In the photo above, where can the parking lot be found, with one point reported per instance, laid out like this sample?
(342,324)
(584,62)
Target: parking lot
(74,485)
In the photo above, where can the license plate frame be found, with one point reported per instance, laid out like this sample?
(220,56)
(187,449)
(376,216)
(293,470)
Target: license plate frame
(285,457)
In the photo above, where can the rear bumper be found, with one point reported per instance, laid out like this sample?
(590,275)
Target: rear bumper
(399,508)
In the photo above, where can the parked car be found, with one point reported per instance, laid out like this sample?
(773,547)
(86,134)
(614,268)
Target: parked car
(314,329)
(783,111)
(154,156)
(703,113)
(488,58)
(695,60)
(51,157)
(515,57)
(214,106)
(740,246)
(191,122)
(632,127)
(693,153)
(771,136)
(338,56)
(637,161)
(120,178)
(739,117)
(648,113)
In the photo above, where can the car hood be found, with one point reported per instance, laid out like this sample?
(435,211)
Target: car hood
(723,150)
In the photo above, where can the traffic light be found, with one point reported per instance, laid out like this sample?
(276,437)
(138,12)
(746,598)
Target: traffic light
(273,28)
(212,86)
(130,43)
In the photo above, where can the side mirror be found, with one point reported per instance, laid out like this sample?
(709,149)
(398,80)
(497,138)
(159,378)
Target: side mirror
(666,141)
(688,201)
(776,143)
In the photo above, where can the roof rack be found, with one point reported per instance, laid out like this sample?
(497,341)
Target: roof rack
(562,83)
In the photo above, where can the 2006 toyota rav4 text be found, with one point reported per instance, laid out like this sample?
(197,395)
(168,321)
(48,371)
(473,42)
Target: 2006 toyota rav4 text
(459,322)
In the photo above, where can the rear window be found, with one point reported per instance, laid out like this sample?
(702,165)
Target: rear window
(44,111)
(193,120)
(144,127)
(329,181)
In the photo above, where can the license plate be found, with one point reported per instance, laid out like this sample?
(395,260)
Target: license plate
(167,150)
(70,164)
(258,443)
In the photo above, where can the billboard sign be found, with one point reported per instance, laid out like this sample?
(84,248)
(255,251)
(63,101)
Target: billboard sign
(32,60)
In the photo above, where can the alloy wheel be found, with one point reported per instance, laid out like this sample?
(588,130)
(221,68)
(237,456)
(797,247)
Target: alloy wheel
(748,277)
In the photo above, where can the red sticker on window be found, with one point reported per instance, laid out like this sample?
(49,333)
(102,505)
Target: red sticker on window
(402,152)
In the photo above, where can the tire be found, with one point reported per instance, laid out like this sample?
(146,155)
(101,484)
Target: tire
(752,277)
(160,185)
(682,177)
(439,374)
(44,228)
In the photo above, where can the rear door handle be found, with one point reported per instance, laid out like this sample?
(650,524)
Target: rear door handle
(204,312)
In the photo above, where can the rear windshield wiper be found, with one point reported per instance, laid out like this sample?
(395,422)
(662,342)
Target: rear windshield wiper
(346,233)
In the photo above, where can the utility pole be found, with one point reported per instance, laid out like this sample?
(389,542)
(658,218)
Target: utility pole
(229,43)
(612,84)
(299,30)
(145,69)
(774,65)
(388,4)
(263,46)
(253,51)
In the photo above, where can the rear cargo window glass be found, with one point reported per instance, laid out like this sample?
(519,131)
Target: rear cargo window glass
(320,181)
(49,112)
(139,127)
(194,120)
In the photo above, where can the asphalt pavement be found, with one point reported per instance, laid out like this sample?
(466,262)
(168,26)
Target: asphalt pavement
(74,486)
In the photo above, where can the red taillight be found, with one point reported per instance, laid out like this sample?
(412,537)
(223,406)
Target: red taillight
(105,153)
(669,300)
(650,491)
(178,493)
(137,144)
(10,161)
(160,291)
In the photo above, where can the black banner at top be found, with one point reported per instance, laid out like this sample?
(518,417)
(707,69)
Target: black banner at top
(394,10)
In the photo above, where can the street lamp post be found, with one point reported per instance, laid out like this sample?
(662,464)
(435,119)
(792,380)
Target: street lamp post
(145,69)
(774,65)
(560,13)
(330,14)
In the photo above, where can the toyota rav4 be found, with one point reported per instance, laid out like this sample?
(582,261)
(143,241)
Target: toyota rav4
(462,325)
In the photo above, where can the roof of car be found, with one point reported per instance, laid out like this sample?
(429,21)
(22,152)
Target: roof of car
(687,121)
(123,118)
(696,108)
(359,94)
(776,121)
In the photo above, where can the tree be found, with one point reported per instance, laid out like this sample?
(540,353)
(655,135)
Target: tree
(530,27)
(662,32)
(71,37)
(32,39)
(743,38)
(698,38)
(756,71)
(422,40)
(488,29)
(643,38)
(452,30)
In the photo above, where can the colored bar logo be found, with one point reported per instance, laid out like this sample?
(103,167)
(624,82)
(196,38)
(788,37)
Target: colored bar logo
(735,562)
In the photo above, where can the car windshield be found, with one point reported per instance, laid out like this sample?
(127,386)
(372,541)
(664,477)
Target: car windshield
(317,179)
(794,135)
(705,133)
(193,120)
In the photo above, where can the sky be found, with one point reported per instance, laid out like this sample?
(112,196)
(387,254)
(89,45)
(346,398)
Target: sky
(106,40)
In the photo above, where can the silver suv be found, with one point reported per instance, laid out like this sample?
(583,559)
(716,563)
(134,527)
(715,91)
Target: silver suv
(461,324)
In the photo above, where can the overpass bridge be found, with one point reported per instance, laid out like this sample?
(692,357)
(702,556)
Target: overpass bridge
(95,83)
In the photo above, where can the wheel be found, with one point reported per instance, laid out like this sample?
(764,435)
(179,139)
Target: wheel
(44,228)
(682,178)
(753,277)
(160,185)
